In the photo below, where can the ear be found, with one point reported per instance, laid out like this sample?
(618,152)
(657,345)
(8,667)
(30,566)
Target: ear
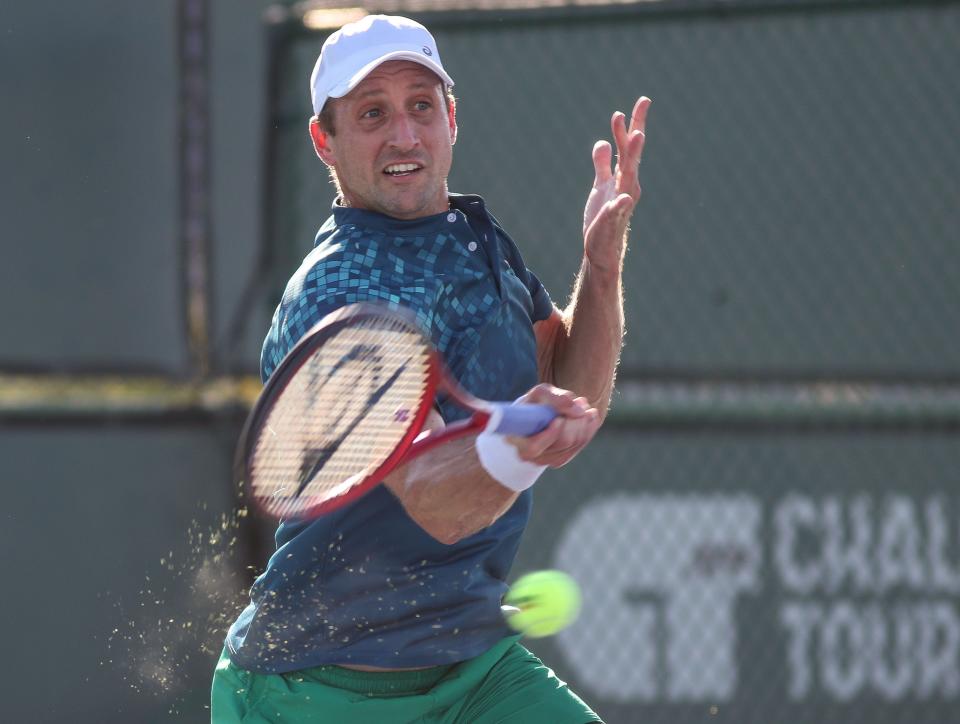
(452,120)
(320,144)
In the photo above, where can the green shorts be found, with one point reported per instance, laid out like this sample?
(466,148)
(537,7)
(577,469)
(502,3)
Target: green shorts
(507,684)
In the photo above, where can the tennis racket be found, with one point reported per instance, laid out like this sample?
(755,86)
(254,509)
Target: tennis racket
(347,405)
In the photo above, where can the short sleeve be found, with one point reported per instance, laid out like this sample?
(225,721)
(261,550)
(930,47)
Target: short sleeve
(542,304)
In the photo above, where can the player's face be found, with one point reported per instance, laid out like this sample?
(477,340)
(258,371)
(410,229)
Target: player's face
(393,142)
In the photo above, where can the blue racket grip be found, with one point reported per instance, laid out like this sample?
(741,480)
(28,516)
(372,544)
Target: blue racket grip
(521,418)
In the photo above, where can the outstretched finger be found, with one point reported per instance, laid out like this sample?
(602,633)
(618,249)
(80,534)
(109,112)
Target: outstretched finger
(602,160)
(638,119)
(629,157)
(618,126)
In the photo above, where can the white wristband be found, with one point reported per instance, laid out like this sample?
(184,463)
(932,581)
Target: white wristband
(503,463)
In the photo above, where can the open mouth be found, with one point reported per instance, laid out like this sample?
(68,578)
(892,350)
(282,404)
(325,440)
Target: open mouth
(397,170)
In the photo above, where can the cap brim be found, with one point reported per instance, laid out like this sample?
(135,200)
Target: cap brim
(353,81)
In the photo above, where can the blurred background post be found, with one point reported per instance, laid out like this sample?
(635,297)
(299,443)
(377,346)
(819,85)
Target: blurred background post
(768,527)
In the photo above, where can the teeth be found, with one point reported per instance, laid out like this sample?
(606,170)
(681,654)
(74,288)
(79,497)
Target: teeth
(401,168)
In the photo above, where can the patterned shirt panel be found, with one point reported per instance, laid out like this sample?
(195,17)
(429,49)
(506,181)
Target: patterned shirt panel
(483,333)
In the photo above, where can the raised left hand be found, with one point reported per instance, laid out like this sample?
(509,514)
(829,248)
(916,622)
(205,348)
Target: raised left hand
(615,193)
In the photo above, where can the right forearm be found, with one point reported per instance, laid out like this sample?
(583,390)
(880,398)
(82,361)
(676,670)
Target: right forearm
(448,493)
(451,494)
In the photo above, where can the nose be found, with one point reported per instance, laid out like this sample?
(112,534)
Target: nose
(403,134)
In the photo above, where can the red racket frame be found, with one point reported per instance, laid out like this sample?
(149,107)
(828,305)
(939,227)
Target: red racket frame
(414,441)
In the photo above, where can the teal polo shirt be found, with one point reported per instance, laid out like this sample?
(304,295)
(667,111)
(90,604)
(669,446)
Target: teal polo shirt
(365,585)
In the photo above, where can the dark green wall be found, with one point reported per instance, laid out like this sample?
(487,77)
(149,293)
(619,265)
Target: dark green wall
(90,279)
(90,275)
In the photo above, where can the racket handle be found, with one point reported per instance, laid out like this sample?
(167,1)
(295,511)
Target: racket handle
(521,418)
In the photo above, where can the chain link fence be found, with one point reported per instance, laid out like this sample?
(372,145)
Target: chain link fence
(768,529)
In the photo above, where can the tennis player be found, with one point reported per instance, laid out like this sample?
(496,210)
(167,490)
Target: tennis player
(388,610)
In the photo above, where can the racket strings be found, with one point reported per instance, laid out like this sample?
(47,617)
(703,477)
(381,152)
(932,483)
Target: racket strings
(341,415)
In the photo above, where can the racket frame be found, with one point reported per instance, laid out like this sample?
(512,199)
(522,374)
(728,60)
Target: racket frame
(415,440)
(287,369)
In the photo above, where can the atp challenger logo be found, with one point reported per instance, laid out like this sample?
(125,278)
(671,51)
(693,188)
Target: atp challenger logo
(672,591)
(863,591)
(872,586)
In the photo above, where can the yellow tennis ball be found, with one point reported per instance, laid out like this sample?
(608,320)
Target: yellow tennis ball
(542,603)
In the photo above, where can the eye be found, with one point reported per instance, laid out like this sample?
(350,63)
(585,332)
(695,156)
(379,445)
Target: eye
(422,105)
(372,113)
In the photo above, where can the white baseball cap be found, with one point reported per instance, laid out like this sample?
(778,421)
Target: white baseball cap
(351,53)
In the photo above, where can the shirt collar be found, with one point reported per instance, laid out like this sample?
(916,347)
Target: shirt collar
(469,204)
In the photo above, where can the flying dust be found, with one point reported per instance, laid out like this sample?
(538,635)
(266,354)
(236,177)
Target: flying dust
(167,645)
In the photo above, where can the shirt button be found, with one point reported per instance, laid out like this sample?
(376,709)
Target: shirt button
(472,246)
(451,217)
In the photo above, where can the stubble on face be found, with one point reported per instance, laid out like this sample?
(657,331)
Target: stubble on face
(393,146)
